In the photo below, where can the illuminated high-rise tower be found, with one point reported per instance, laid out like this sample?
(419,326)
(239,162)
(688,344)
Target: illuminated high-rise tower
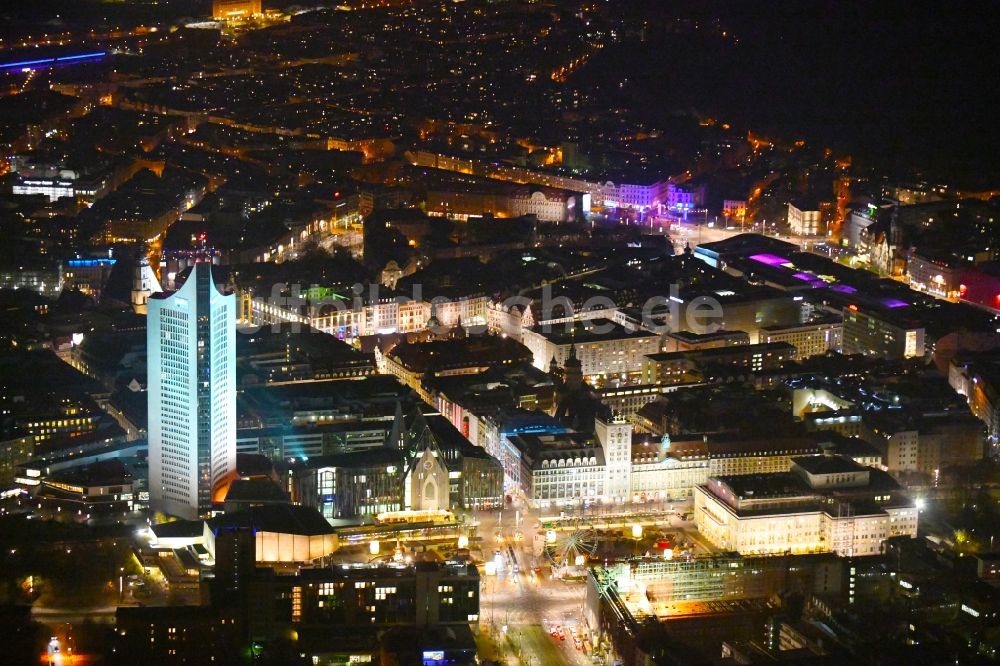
(191,352)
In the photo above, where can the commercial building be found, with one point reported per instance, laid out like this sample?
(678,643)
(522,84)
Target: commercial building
(926,444)
(192,395)
(824,504)
(806,219)
(99,490)
(670,468)
(282,533)
(939,273)
(43,277)
(979,382)
(363,597)
(814,338)
(323,309)
(411,362)
(604,348)
(567,468)
(887,332)
(627,602)
(734,210)
(477,404)
(345,614)
(545,204)
(309,441)
(980,286)
(351,484)
(719,254)
(14,451)
(734,307)
(684,198)
(235,9)
(561,469)
(679,367)
(280,354)
(683,341)
(557,311)
(615,438)
(88,276)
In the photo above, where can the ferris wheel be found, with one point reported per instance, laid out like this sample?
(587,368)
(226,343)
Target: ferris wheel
(571,547)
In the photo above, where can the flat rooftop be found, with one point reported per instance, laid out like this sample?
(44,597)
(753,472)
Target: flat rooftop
(828,464)
(279,518)
(593,330)
(767,486)
(745,244)
(724,352)
(688,336)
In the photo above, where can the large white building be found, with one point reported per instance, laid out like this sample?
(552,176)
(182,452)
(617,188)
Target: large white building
(615,437)
(191,346)
(809,339)
(349,319)
(824,504)
(612,466)
(603,347)
(805,220)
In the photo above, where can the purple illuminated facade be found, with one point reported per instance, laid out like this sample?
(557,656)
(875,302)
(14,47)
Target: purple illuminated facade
(894,303)
(770,259)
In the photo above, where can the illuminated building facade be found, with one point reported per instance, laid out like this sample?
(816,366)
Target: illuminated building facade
(192,394)
(603,347)
(873,333)
(88,276)
(825,504)
(735,210)
(936,273)
(349,485)
(678,367)
(810,339)
(805,220)
(616,440)
(47,281)
(223,10)
(364,596)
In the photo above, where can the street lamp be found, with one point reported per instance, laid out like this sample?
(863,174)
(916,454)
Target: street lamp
(636,537)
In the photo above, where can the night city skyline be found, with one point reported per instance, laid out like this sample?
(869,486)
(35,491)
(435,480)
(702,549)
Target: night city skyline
(500,332)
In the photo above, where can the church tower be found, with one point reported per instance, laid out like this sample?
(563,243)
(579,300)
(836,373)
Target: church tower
(572,371)
(144,284)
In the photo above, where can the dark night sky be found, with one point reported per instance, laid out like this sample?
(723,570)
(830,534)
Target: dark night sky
(901,84)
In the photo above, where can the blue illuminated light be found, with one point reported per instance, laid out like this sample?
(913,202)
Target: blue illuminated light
(53,61)
(90,263)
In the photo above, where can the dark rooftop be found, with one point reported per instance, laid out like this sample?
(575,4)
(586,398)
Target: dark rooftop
(256,490)
(592,330)
(282,518)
